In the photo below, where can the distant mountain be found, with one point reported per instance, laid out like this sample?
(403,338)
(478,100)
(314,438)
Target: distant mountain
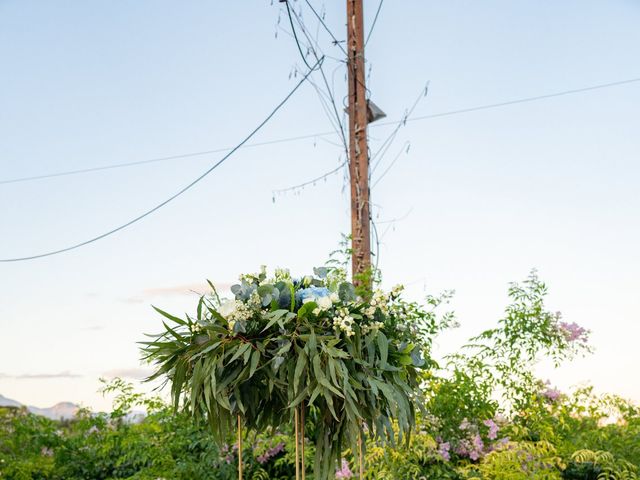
(60,411)
(7,402)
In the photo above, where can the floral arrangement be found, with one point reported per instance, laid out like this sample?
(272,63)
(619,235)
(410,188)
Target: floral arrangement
(347,359)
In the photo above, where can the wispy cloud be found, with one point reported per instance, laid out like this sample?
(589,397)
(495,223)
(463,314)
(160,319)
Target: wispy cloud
(41,376)
(137,373)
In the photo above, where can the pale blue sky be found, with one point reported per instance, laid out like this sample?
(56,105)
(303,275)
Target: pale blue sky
(549,184)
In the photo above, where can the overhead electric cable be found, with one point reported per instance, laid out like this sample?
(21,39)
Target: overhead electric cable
(321,134)
(312,181)
(373,24)
(324,77)
(183,190)
(379,155)
(324,25)
(295,35)
(404,149)
(481,107)
(525,100)
(161,159)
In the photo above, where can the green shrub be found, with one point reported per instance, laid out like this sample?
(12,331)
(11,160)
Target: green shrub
(598,465)
(520,461)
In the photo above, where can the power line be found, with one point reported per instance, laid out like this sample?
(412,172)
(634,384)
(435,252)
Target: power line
(183,190)
(324,79)
(162,159)
(474,109)
(295,35)
(373,24)
(319,134)
(401,123)
(324,25)
(312,181)
(524,100)
(404,149)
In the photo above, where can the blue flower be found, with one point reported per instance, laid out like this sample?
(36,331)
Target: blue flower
(311,292)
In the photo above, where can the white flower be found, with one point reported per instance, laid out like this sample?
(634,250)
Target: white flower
(227,308)
(324,303)
(254,300)
(334,297)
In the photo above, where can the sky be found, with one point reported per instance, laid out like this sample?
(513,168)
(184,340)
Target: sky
(479,200)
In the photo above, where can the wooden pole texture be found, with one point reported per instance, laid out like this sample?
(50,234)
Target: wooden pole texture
(358,148)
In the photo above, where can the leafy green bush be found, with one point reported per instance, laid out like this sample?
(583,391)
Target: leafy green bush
(487,417)
(520,461)
(599,465)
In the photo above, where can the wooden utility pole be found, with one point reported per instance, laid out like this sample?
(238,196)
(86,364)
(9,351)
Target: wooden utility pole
(358,149)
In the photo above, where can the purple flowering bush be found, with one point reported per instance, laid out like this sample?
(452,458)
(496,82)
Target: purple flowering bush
(479,413)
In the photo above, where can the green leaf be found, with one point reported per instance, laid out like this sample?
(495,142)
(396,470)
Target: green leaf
(274,316)
(240,351)
(247,354)
(383,346)
(277,362)
(306,309)
(255,358)
(417,359)
(347,292)
(169,316)
(300,365)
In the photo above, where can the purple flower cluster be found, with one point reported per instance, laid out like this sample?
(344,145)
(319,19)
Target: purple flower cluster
(344,471)
(472,445)
(270,453)
(444,451)
(550,393)
(574,332)
(493,429)
(228,452)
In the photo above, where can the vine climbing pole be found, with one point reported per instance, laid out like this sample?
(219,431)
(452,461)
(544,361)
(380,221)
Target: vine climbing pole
(358,159)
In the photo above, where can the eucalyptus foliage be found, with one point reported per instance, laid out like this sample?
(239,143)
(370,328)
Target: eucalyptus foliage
(351,359)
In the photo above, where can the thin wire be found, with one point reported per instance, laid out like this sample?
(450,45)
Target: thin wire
(396,219)
(405,148)
(321,20)
(373,24)
(401,123)
(287,32)
(180,192)
(324,102)
(377,241)
(310,48)
(317,179)
(323,134)
(295,35)
(326,82)
(162,159)
(524,100)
